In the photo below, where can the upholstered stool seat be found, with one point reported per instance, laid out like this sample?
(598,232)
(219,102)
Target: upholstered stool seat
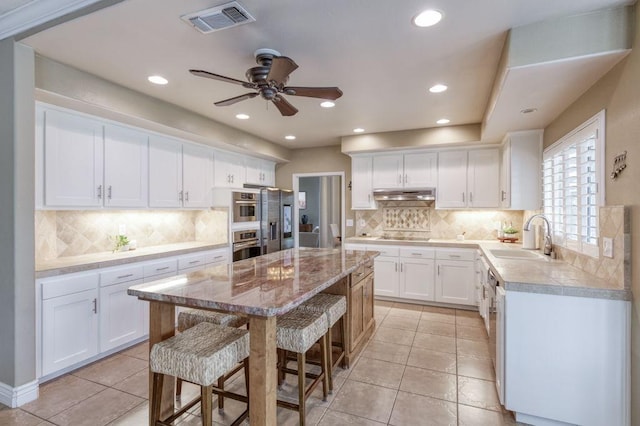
(201,355)
(334,307)
(191,317)
(297,331)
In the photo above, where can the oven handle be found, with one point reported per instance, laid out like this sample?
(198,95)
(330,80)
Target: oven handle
(249,244)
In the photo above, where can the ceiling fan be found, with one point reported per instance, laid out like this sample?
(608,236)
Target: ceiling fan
(269,79)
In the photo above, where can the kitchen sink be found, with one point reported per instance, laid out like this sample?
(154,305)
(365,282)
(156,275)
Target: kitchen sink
(517,254)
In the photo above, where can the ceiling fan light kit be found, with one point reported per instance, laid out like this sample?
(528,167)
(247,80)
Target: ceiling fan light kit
(269,79)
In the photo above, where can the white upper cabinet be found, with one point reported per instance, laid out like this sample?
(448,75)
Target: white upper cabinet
(260,172)
(180,174)
(452,183)
(483,178)
(361,182)
(411,170)
(229,170)
(126,162)
(165,172)
(520,171)
(73,160)
(468,179)
(197,174)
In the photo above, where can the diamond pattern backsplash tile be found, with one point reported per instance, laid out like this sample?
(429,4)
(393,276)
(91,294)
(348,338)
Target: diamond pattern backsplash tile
(405,219)
(73,233)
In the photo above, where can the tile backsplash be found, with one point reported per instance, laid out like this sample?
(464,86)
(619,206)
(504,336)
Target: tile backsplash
(73,232)
(421,219)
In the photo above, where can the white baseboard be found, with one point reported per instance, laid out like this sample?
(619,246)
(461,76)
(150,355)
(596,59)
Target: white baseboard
(15,397)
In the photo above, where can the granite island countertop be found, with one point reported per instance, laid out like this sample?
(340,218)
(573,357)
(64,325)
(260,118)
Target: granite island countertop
(87,262)
(542,275)
(265,285)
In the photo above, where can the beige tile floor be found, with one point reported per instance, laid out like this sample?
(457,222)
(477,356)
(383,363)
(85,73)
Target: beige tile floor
(423,366)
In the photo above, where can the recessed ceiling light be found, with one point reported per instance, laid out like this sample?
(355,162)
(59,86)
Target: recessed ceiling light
(427,18)
(443,121)
(327,104)
(438,88)
(242,116)
(528,110)
(290,137)
(358,130)
(157,79)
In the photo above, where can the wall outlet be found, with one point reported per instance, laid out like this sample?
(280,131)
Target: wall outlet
(349,222)
(122,229)
(607,247)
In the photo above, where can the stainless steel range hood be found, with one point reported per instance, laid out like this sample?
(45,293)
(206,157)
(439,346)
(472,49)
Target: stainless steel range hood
(423,194)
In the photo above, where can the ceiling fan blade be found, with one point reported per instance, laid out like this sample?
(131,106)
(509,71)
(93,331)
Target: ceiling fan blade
(232,101)
(207,74)
(331,93)
(284,106)
(281,67)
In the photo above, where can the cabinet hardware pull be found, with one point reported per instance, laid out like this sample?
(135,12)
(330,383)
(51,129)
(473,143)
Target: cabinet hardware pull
(194,262)
(95,306)
(99,191)
(463,197)
(109,192)
(162,269)
(396,267)
(359,274)
(186,196)
(454,255)
(438,269)
(471,197)
(180,198)
(399,178)
(125,276)
(504,195)
(406,179)
(401,268)
(218,257)
(232,178)
(229,178)
(416,254)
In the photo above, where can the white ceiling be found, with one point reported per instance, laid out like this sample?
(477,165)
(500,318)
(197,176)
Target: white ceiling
(368,48)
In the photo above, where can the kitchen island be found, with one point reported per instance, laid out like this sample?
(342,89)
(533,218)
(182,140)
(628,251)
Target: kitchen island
(264,287)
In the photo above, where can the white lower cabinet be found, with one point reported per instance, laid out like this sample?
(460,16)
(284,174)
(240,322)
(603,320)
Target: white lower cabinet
(121,316)
(386,279)
(69,321)
(455,276)
(417,274)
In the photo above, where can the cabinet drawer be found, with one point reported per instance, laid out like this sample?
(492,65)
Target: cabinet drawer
(386,250)
(160,268)
(358,275)
(121,275)
(418,253)
(217,256)
(455,254)
(56,287)
(192,261)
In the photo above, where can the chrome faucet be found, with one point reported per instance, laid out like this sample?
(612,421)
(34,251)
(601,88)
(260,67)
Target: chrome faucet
(548,245)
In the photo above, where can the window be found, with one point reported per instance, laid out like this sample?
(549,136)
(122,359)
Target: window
(573,186)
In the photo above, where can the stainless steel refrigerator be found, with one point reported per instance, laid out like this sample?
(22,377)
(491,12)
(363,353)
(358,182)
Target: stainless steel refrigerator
(276,219)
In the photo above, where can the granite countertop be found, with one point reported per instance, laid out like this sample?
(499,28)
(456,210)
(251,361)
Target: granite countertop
(543,275)
(264,286)
(86,262)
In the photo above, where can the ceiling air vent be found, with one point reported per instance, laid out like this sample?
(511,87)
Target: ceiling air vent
(219,17)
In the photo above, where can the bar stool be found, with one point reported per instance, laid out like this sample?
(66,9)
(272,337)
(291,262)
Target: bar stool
(334,307)
(199,355)
(297,331)
(191,317)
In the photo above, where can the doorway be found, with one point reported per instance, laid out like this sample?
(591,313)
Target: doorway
(321,204)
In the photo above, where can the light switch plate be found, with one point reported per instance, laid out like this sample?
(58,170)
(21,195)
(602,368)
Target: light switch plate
(349,222)
(607,247)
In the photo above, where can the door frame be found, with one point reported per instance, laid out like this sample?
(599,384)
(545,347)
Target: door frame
(296,213)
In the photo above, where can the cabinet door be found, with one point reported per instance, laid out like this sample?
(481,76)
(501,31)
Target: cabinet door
(483,178)
(417,278)
(196,176)
(228,170)
(126,162)
(73,159)
(505,176)
(388,171)
(165,172)
(452,182)
(455,282)
(69,330)
(121,316)
(268,173)
(420,170)
(386,276)
(253,168)
(355,314)
(361,181)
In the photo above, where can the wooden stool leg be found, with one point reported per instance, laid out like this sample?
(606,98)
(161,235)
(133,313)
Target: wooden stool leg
(220,397)
(206,396)
(178,387)
(156,397)
(325,370)
(343,326)
(329,356)
(301,387)
(246,376)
